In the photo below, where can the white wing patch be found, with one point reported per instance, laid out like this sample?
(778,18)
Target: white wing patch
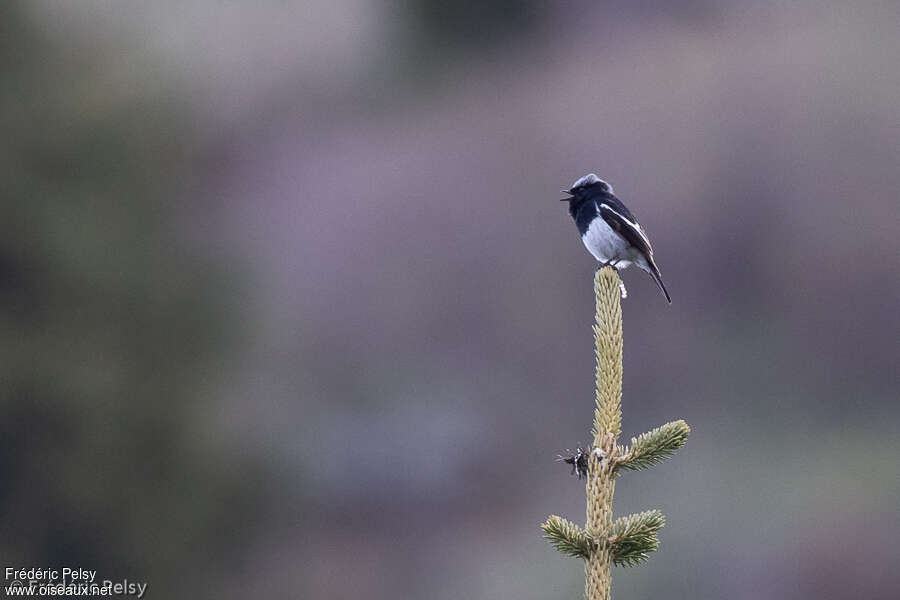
(634,225)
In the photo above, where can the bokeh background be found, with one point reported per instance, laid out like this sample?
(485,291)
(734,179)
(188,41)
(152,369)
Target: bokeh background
(290,308)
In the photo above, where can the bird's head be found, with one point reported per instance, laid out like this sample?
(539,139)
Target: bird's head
(586,186)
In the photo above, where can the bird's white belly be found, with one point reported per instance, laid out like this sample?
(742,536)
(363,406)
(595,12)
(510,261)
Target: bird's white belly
(605,244)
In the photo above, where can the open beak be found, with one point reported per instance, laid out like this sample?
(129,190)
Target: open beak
(565,192)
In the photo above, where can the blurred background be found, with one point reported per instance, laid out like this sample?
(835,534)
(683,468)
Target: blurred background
(290,308)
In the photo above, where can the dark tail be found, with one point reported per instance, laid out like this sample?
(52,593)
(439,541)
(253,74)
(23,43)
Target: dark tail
(654,273)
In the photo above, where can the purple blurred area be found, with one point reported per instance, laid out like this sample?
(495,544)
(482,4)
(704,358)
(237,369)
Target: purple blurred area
(291,307)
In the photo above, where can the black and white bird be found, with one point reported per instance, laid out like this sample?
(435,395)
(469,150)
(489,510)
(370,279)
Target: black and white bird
(608,229)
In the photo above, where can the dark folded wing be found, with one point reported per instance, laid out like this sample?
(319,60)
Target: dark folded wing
(627,228)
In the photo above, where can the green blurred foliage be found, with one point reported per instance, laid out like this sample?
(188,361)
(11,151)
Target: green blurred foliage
(110,326)
(465,24)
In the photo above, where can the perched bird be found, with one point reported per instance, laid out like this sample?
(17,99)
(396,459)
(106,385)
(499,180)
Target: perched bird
(608,229)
